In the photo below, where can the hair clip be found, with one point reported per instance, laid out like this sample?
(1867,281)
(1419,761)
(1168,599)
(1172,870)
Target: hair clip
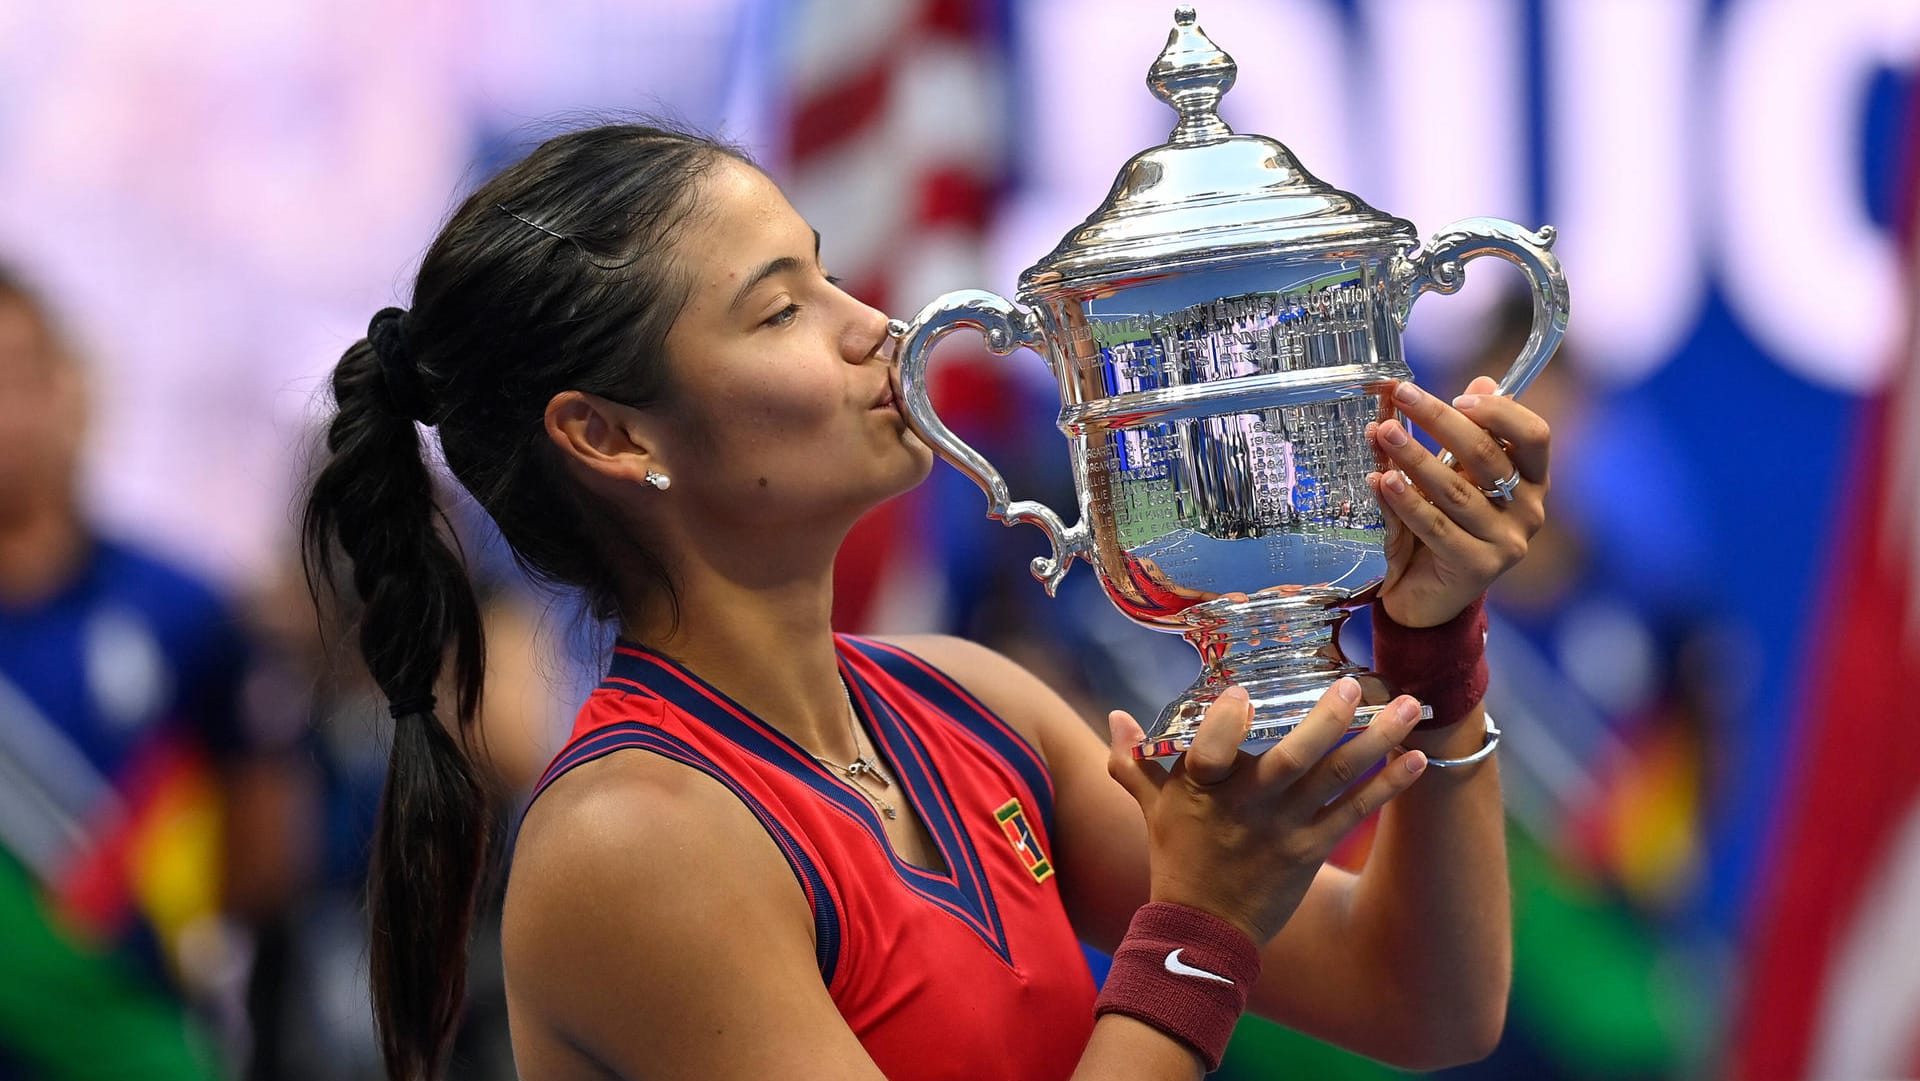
(531,224)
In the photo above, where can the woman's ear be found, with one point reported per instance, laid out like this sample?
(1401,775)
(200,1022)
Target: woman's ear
(604,437)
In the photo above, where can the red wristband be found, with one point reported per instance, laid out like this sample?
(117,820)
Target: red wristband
(1444,667)
(1186,973)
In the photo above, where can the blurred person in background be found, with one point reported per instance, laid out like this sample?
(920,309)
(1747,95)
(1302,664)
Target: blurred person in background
(636,364)
(143,821)
(309,996)
(1617,627)
(1608,649)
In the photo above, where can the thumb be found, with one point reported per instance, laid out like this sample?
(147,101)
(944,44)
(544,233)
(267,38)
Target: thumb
(1141,779)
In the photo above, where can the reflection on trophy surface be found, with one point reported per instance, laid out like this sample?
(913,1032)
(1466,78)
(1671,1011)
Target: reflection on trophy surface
(1223,329)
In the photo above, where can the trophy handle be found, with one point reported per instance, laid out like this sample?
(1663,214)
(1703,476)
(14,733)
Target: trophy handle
(1007,327)
(1437,266)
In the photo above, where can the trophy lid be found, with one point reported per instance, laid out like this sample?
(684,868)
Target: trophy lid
(1207,194)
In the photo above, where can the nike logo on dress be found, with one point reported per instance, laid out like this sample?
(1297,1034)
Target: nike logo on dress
(1175,966)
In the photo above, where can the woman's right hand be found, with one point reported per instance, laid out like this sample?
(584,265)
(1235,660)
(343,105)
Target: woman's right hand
(1242,836)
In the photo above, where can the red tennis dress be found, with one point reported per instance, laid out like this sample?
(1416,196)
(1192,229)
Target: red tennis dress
(971,973)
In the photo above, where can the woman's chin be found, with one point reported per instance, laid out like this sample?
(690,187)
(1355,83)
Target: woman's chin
(919,462)
(912,441)
(899,468)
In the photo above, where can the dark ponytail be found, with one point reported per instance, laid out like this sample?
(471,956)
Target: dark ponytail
(374,498)
(557,274)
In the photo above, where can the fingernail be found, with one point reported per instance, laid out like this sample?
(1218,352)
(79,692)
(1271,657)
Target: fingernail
(1416,762)
(1466,401)
(1235,691)
(1348,688)
(1394,433)
(1409,710)
(1406,393)
(1394,481)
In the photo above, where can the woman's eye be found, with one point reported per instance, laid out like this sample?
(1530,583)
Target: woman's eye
(835,280)
(784,315)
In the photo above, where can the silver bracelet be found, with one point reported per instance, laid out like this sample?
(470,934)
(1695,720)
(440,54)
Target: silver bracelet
(1493,740)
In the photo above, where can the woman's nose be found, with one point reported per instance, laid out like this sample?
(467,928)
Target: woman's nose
(867,336)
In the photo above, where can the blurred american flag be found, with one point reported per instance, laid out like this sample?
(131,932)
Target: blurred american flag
(894,149)
(1834,977)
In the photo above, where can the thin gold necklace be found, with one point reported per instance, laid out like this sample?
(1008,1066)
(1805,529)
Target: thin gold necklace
(864,765)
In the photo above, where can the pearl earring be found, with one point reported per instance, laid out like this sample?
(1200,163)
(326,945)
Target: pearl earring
(658,480)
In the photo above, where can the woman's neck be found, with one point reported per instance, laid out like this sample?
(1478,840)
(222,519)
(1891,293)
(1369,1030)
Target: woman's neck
(765,639)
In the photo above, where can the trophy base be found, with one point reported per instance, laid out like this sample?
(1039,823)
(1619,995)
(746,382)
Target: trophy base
(1283,650)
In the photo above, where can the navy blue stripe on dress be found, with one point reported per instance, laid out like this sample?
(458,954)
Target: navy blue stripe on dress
(946,696)
(917,770)
(960,891)
(633,735)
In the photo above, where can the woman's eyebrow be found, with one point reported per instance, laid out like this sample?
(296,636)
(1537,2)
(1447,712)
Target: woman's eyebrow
(775,266)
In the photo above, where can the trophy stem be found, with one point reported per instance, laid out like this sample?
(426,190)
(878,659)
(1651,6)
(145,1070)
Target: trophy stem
(1283,649)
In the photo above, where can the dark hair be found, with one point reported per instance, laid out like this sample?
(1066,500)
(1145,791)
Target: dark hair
(556,274)
(16,288)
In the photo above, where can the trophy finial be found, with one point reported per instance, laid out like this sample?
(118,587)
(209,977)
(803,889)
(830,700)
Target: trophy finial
(1192,74)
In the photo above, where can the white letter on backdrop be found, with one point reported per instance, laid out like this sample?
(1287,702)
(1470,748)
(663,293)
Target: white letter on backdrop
(1808,272)
(1625,102)
(1448,131)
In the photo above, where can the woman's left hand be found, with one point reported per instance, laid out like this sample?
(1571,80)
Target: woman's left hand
(1447,538)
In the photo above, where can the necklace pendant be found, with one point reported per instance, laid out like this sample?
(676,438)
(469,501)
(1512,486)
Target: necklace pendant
(891,812)
(868,766)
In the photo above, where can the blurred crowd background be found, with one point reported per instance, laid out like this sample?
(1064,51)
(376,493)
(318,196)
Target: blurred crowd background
(1715,807)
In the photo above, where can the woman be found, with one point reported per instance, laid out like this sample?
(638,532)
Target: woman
(843,858)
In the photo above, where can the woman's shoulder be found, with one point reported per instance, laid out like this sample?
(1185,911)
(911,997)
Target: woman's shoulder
(638,886)
(626,802)
(633,826)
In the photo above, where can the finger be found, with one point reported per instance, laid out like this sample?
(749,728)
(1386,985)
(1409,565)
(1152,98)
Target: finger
(1431,526)
(1524,430)
(1397,535)
(1138,776)
(1215,750)
(1309,741)
(1475,448)
(1346,763)
(1336,819)
(1445,488)
(1373,440)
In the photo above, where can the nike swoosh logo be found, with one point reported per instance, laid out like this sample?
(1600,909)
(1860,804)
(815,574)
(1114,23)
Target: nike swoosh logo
(1175,966)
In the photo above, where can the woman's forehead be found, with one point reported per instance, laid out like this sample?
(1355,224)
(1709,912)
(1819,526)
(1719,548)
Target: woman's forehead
(747,223)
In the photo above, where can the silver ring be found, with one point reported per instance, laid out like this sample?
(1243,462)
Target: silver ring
(1502,489)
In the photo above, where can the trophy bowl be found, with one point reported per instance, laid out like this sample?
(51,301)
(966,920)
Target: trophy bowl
(1223,329)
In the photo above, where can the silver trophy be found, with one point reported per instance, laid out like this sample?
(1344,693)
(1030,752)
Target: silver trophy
(1223,329)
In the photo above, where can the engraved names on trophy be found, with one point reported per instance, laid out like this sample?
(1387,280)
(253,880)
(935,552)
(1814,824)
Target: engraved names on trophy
(1139,464)
(1270,457)
(1249,334)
